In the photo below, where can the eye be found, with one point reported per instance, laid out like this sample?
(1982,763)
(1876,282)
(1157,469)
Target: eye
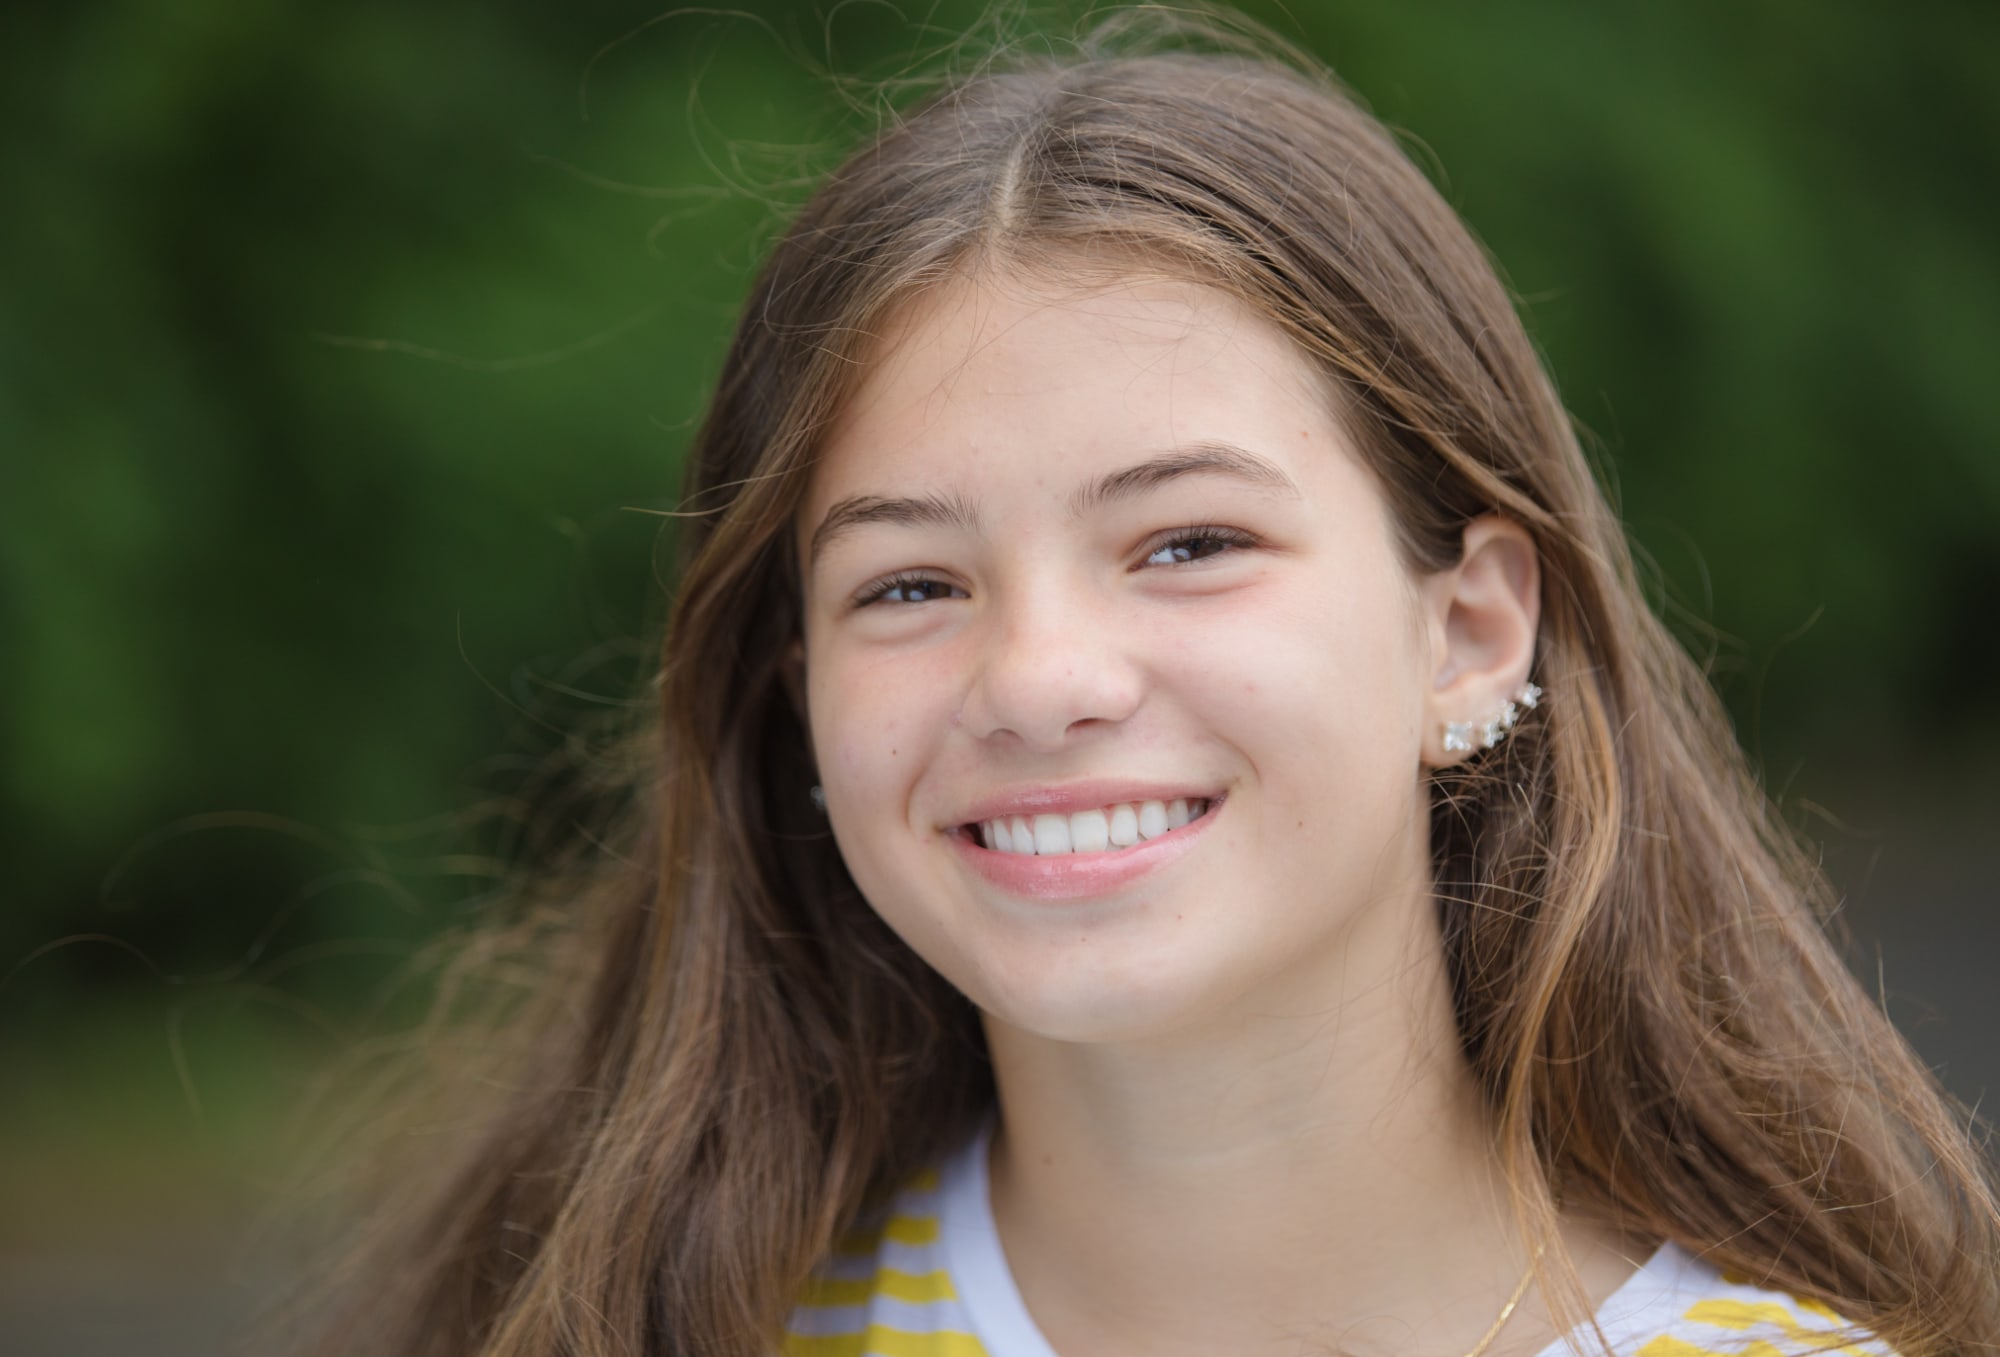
(1183,546)
(908,588)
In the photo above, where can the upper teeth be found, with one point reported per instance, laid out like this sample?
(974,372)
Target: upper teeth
(1089,831)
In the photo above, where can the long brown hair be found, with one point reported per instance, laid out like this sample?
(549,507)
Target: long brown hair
(731,1057)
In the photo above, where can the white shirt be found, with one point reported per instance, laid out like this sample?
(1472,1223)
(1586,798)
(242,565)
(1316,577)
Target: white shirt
(930,1279)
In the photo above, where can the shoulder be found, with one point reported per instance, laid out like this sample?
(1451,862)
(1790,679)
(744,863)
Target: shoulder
(1679,1306)
(887,1289)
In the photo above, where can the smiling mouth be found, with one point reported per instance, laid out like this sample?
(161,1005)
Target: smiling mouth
(1110,829)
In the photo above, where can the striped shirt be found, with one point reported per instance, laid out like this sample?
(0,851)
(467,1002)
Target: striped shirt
(930,1280)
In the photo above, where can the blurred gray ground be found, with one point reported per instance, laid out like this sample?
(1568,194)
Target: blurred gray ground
(145,1296)
(1924,909)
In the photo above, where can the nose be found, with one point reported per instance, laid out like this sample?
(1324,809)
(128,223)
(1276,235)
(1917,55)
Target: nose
(1053,664)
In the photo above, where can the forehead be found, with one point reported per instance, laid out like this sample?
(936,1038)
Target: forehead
(1012,366)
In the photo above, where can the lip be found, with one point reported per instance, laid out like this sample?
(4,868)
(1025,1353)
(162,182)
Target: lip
(1082,876)
(1071,797)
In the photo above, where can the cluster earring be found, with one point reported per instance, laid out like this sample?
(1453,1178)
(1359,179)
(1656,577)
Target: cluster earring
(1462,737)
(818,795)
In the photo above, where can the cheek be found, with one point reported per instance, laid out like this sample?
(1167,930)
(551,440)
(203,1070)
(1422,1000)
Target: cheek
(875,723)
(877,728)
(1321,684)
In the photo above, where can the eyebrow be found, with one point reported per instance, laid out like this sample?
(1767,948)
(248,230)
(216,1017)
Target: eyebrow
(1208,458)
(909,511)
(1190,459)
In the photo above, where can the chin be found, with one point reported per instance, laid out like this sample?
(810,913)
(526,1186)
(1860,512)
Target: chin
(1085,1005)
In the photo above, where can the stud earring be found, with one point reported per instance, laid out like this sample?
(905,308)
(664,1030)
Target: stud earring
(1462,737)
(818,795)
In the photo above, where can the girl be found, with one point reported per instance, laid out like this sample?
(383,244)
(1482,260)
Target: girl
(1172,829)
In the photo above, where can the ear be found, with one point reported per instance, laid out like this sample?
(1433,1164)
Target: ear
(1482,615)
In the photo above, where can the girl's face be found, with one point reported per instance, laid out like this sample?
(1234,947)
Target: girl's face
(1087,565)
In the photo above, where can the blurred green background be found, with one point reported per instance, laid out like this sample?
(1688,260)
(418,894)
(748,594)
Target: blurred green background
(343,342)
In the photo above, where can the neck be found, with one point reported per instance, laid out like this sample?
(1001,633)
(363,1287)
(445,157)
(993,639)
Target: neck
(1301,1171)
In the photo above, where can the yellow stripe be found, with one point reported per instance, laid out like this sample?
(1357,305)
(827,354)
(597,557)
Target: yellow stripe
(882,1342)
(913,1230)
(1811,1307)
(1738,1314)
(944,1343)
(1668,1346)
(918,1288)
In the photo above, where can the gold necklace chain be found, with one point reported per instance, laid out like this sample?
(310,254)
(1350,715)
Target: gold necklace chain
(1507,1310)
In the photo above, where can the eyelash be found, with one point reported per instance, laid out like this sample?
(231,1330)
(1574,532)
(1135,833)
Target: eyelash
(1234,538)
(881,589)
(1212,533)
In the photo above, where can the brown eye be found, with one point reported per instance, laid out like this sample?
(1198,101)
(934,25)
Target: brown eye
(1194,544)
(909,589)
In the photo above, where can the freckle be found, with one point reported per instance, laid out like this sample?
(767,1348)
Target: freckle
(1048,1159)
(1302,824)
